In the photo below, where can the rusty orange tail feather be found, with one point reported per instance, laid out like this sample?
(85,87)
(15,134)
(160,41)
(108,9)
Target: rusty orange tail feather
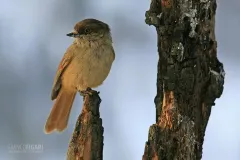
(59,115)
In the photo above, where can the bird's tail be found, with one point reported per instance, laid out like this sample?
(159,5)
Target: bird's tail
(59,115)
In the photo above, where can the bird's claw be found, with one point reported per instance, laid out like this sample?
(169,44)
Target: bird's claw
(88,91)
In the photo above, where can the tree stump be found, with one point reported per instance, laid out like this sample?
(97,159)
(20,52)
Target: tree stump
(189,78)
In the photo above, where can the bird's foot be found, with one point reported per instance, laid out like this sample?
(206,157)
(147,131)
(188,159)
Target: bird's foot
(88,91)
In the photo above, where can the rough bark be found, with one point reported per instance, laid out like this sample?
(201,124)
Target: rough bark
(189,78)
(87,138)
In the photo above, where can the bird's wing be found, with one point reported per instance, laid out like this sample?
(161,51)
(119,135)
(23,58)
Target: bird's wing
(62,66)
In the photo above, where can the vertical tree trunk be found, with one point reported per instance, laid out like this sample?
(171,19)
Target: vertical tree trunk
(189,77)
(87,138)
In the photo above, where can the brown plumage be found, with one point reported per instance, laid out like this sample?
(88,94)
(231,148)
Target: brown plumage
(86,63)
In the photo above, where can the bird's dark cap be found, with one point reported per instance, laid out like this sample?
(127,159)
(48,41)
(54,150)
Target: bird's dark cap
(92,25)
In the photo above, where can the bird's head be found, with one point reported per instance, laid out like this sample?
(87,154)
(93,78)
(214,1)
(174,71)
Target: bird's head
(90,30)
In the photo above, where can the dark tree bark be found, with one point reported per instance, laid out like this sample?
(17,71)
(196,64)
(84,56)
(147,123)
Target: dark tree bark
(87,138)
(189,78)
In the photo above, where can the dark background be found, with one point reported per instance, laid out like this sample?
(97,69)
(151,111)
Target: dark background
(33,41)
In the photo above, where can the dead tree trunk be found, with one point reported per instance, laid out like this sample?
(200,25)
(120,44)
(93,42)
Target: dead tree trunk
(87,138)
(189,77)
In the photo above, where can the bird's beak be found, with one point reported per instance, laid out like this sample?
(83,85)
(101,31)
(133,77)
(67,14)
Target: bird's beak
(72,34)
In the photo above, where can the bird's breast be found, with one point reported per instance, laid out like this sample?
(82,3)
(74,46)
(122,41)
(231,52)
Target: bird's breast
(90,66)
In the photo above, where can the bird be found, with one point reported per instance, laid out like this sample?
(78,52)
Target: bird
(86,64)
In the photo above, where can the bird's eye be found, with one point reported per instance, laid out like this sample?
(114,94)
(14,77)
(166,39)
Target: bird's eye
(87,30)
